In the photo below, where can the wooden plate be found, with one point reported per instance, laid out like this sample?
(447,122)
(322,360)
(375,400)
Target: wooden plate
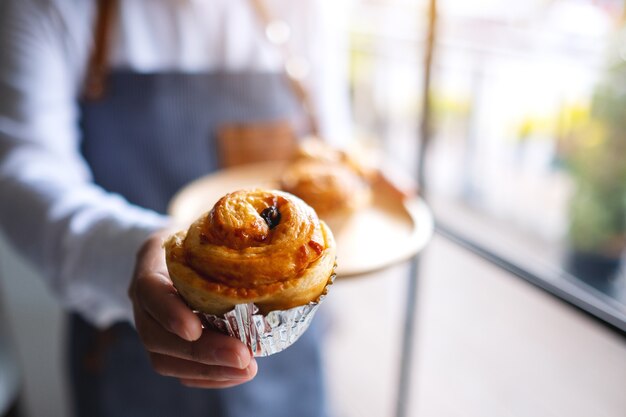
(389,231)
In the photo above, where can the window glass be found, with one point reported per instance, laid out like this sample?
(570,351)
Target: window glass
(527,157)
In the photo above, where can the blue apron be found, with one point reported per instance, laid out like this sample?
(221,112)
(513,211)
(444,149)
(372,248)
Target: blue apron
(147,137)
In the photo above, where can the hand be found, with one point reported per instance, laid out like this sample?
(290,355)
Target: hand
(173,334)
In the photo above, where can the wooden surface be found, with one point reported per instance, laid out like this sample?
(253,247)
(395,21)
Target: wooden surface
(389,231)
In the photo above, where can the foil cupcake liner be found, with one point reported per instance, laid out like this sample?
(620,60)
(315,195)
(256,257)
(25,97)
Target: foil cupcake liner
(266,334)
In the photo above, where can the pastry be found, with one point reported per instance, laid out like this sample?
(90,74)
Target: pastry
(333,183)
(254,246)
(330,188)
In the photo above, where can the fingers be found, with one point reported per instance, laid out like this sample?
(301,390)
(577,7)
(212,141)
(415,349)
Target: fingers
(212,348)
(173,334)
(159,299)
(213,361)
(154,291)
(184,369)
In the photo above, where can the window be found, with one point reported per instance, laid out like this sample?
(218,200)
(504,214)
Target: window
(526,161)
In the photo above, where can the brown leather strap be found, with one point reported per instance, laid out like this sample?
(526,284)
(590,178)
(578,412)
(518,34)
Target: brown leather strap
(97,69)
(297,86)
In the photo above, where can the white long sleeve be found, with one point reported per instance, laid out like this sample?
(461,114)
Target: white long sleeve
(81,238)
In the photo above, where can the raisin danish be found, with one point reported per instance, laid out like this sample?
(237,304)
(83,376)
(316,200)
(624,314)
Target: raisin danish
(261,246)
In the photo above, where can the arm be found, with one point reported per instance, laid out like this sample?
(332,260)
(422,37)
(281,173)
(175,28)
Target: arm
(83,239)
(79,237)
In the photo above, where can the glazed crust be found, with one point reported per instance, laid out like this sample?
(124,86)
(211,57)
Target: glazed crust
(231,255)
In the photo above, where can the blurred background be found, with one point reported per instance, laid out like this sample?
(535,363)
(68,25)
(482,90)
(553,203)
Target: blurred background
(514,116)
(526,128)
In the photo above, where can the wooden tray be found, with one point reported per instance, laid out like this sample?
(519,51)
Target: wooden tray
(389,231)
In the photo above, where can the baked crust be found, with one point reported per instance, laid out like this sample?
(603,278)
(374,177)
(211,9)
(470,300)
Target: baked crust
(232,255)
(327,179)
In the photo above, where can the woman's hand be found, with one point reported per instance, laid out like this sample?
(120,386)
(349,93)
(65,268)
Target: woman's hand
(172,333)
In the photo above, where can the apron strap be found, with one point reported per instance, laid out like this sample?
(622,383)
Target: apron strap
(97,68)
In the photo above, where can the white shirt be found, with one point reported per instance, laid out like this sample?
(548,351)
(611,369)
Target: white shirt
(81,238)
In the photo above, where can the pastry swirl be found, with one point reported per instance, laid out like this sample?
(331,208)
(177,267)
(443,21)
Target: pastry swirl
(266,247)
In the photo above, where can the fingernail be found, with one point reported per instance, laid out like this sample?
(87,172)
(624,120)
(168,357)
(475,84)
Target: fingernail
(187,332)
(187,335)
(252,367)
(182,331)
(227,357)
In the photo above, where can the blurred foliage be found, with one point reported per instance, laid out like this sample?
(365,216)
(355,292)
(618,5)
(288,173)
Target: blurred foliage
(594,151)
(591,146)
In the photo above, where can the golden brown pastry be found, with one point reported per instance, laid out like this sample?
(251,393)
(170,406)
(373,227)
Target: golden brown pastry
(329,188)
(327,179)
(265,247)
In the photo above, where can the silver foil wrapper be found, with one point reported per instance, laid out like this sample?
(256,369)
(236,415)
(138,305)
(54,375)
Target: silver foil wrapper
(266,334)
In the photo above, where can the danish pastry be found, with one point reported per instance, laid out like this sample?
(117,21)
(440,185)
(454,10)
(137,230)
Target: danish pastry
(327,179)
(259,246)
